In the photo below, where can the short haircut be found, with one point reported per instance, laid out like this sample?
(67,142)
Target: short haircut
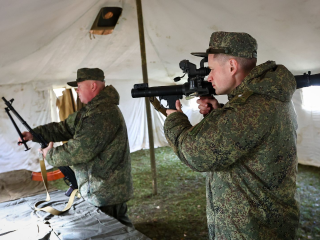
(246,64)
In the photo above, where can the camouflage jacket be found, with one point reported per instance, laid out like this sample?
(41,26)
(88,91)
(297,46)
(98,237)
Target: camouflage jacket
(248,149)
(97,148)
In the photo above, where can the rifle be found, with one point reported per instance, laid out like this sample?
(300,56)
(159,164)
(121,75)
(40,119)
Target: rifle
(69,178)
(196,86)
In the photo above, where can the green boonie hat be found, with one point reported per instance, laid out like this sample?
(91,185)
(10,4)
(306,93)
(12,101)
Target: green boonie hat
(232,43)
(84,74)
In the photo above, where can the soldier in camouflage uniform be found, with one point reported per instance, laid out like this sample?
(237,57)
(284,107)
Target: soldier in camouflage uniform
(247,146)
(97,147)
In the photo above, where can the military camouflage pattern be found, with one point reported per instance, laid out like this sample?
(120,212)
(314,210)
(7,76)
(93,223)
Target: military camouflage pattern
(248,149)
(97,148)
(87,74)
(233,43)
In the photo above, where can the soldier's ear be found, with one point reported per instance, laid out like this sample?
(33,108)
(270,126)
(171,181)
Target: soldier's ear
(93,86)
(233,64)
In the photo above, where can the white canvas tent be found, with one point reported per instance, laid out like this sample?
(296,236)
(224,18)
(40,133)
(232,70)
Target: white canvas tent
(44,42)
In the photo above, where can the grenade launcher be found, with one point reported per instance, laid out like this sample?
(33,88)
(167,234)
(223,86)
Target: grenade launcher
(196,86)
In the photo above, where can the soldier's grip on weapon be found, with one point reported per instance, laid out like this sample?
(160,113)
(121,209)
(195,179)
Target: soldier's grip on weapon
(45,150)
(207,104)
(177,107)
(67,171)
(27,136)
(171,101)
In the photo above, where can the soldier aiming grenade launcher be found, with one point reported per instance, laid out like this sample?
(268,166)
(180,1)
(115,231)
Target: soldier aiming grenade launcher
(196,85)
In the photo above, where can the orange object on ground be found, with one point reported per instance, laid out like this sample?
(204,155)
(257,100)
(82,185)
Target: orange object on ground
(51,176)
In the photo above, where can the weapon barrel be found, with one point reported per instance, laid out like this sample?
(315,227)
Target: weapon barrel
(17,129)
(158,91)
(43,142)
(16,114)
(307,80)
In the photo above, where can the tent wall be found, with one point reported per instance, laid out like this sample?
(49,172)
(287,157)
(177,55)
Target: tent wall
(35,108)
(308,140)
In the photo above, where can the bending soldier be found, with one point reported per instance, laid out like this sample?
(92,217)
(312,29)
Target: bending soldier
(97,147)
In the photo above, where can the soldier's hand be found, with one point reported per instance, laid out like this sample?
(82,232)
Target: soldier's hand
(27,136)
(207,104)
(178,107)
(45,150)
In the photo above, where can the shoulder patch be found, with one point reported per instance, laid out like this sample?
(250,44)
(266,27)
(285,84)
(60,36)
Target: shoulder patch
(241,98)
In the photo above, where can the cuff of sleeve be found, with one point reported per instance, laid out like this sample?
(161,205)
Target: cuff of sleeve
(175,124)
(48,157)
(36,130)
(173,117)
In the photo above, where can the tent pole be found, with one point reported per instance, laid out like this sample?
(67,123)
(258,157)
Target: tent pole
(145,80)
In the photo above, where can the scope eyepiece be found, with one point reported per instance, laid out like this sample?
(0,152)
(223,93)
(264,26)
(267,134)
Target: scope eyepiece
(191,69)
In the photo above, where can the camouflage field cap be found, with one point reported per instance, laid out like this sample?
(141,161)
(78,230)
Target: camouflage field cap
(87,74)
(236,44)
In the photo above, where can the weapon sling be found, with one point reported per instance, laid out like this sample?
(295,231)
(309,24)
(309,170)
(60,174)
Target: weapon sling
(49,209)
(43,144)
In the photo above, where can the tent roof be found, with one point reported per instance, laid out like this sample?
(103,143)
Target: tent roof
(47,41)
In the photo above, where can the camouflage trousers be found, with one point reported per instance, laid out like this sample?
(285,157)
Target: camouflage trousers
(119,212)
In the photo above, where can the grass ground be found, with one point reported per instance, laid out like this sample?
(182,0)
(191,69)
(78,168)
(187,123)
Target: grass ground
(178,210)
(308,184)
